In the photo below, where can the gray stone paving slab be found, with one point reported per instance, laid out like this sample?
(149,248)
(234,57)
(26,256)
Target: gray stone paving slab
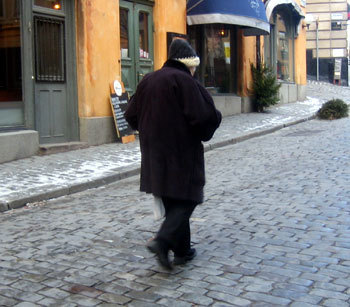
(292,274)
(38,178)
(273,231)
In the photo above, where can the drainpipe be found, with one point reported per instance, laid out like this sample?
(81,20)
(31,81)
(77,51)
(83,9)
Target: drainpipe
(348,45)
(258,53)
(317,59)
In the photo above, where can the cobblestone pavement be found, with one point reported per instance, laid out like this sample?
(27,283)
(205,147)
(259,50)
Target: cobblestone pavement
(43,177)
(274,231)
(326,91)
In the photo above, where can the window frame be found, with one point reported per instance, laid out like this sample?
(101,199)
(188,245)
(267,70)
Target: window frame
(48,11)
(273,38)
(37,50)
(197,38)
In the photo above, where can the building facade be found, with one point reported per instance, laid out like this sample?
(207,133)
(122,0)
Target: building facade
(224,34)
(327,55)
(272,33)
(38,79)
(60,57)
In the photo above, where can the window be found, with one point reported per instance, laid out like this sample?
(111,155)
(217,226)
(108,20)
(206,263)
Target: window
(336,25)
(9,9)
(215,44)
(49,49)
(285,45)
(11,105)
(143,35)
(124,33)
(49,4)
(279,45)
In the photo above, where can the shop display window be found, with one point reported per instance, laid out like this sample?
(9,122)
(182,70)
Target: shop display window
(284,50)
(11,105)
(215,44)
(279,45)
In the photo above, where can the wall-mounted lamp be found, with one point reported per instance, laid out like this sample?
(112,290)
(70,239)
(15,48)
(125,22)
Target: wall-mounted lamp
(223,32)
(56,5)
(309,19)
(305,25)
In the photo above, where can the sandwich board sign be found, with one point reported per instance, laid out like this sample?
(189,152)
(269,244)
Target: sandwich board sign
(119,100)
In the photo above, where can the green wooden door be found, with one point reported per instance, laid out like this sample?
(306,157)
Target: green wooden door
(54,76)
(136,40)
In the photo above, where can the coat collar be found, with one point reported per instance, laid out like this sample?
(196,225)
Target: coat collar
(177,65)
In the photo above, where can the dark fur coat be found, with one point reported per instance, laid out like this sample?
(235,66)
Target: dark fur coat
(173,113)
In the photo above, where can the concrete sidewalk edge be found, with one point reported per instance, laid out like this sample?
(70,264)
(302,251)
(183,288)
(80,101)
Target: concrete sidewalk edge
(130,171)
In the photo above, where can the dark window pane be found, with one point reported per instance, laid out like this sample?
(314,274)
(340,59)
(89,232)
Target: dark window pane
(336,25)
(124,33)
(218,58)
(216,45)
(143,28)
(10,52)
(50,4)
(284,48)
(49,49)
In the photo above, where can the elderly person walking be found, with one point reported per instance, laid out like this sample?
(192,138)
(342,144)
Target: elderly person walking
(173,113)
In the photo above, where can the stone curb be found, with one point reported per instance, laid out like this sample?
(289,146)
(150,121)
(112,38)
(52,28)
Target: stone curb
(71,189)
(4,207)
(130,171)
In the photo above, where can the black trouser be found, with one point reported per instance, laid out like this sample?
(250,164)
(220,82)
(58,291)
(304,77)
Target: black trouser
(175,233)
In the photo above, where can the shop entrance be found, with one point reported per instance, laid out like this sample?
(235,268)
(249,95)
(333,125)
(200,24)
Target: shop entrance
(53,71)
(136,41)
(37,68)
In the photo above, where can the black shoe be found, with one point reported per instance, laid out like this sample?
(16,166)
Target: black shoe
(188,257)
(161,253)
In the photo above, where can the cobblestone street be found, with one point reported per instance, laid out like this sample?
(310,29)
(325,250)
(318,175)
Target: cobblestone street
(274,231)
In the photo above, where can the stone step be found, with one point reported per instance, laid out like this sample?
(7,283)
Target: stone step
(47,149)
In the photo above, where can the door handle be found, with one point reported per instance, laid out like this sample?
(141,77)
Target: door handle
(141,75)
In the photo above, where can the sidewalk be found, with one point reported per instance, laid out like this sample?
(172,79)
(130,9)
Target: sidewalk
(43,177)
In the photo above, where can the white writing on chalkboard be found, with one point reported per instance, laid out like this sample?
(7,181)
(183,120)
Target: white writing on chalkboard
(119,105)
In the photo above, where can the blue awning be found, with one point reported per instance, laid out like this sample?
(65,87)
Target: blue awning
(250,14)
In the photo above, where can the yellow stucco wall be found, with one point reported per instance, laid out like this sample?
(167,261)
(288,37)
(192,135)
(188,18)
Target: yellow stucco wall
(169,16)
(300,53)
(248,46)
(98,52)
(300,58)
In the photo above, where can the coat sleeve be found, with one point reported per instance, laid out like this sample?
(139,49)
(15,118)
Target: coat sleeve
(131,113)
(199,109)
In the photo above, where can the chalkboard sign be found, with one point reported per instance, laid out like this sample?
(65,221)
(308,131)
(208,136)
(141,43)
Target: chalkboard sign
(119,104)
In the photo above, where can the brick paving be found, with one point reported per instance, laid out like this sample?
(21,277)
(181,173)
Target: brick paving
(43,177)
(274,231)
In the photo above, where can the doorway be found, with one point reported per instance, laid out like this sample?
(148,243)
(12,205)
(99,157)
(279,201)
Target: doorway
(136,41)
(54,71)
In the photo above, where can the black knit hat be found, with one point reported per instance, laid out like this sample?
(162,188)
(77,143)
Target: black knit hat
(180,50)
